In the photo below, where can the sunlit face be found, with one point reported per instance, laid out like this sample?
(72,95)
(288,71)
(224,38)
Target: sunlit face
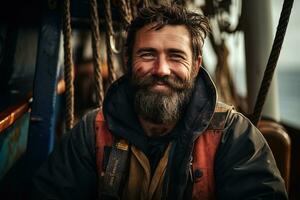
(164,53)
(163,72)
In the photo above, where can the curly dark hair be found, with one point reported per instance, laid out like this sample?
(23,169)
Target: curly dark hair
(161,15)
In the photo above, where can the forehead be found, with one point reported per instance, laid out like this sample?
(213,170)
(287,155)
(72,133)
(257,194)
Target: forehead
(169,36)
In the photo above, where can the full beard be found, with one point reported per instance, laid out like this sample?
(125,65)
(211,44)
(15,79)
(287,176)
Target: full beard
(161,107)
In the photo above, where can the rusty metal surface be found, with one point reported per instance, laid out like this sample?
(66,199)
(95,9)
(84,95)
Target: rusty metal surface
(10,115)
(13,143)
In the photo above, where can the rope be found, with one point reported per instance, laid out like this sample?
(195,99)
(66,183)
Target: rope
(68,62)
(109,35)
(127,15)
(273,58)
(96,51)
(133,7)
(125,10)
(145,3)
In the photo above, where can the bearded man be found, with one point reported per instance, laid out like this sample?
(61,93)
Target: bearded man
(161,133)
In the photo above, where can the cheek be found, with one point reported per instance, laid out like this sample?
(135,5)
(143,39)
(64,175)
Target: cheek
(141,68)
(183,73)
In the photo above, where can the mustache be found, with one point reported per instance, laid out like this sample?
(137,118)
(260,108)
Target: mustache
(174,83)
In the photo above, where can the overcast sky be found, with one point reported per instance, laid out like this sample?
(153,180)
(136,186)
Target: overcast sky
(290,52)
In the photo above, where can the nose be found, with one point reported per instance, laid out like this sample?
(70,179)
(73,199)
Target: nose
(161,68)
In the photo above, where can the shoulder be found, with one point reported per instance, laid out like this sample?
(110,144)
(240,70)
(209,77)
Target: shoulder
(240,132)
(90,117)
(88,121)
(244,164)
(71,163)
(220,116)
(240,138)
(239,126)
(83,133)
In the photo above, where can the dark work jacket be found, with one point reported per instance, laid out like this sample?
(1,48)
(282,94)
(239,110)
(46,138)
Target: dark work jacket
(244,165)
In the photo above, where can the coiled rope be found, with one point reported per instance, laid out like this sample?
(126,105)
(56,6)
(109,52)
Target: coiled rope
(96,51)
(273,58)
(68,65)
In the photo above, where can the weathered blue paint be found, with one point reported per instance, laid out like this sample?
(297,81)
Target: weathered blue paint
(41,128)
(13,142)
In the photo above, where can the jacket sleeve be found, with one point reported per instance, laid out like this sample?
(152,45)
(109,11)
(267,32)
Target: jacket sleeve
(245,167)
(70,170)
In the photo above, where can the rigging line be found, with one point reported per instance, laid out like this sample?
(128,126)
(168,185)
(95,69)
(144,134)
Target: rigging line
(132,4)
(109,27)
(68,65)
(273,58)
(109,47)
(96,51)
(145,3)
(125,10)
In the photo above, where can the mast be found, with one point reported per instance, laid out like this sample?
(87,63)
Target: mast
(258,32)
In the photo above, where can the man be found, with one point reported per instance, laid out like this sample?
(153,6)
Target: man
(163,112)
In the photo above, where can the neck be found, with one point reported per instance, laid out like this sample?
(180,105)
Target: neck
(156,130)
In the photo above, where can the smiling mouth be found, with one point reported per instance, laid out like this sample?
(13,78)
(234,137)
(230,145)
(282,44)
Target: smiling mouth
(159,86)
(159,83)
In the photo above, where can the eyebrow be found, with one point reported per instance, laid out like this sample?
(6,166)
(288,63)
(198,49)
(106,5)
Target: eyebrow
(170,50)
(146,49)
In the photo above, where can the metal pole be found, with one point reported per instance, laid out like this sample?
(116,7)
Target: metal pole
(259,33)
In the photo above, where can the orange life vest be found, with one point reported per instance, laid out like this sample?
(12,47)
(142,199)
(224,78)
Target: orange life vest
(204,152)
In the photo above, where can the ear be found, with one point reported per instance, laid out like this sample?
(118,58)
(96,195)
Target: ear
(198,63)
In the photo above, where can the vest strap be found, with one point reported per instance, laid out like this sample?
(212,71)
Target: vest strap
(115,169)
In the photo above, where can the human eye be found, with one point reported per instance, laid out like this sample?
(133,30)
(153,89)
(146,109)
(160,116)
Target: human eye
(147,55)
(176,56)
